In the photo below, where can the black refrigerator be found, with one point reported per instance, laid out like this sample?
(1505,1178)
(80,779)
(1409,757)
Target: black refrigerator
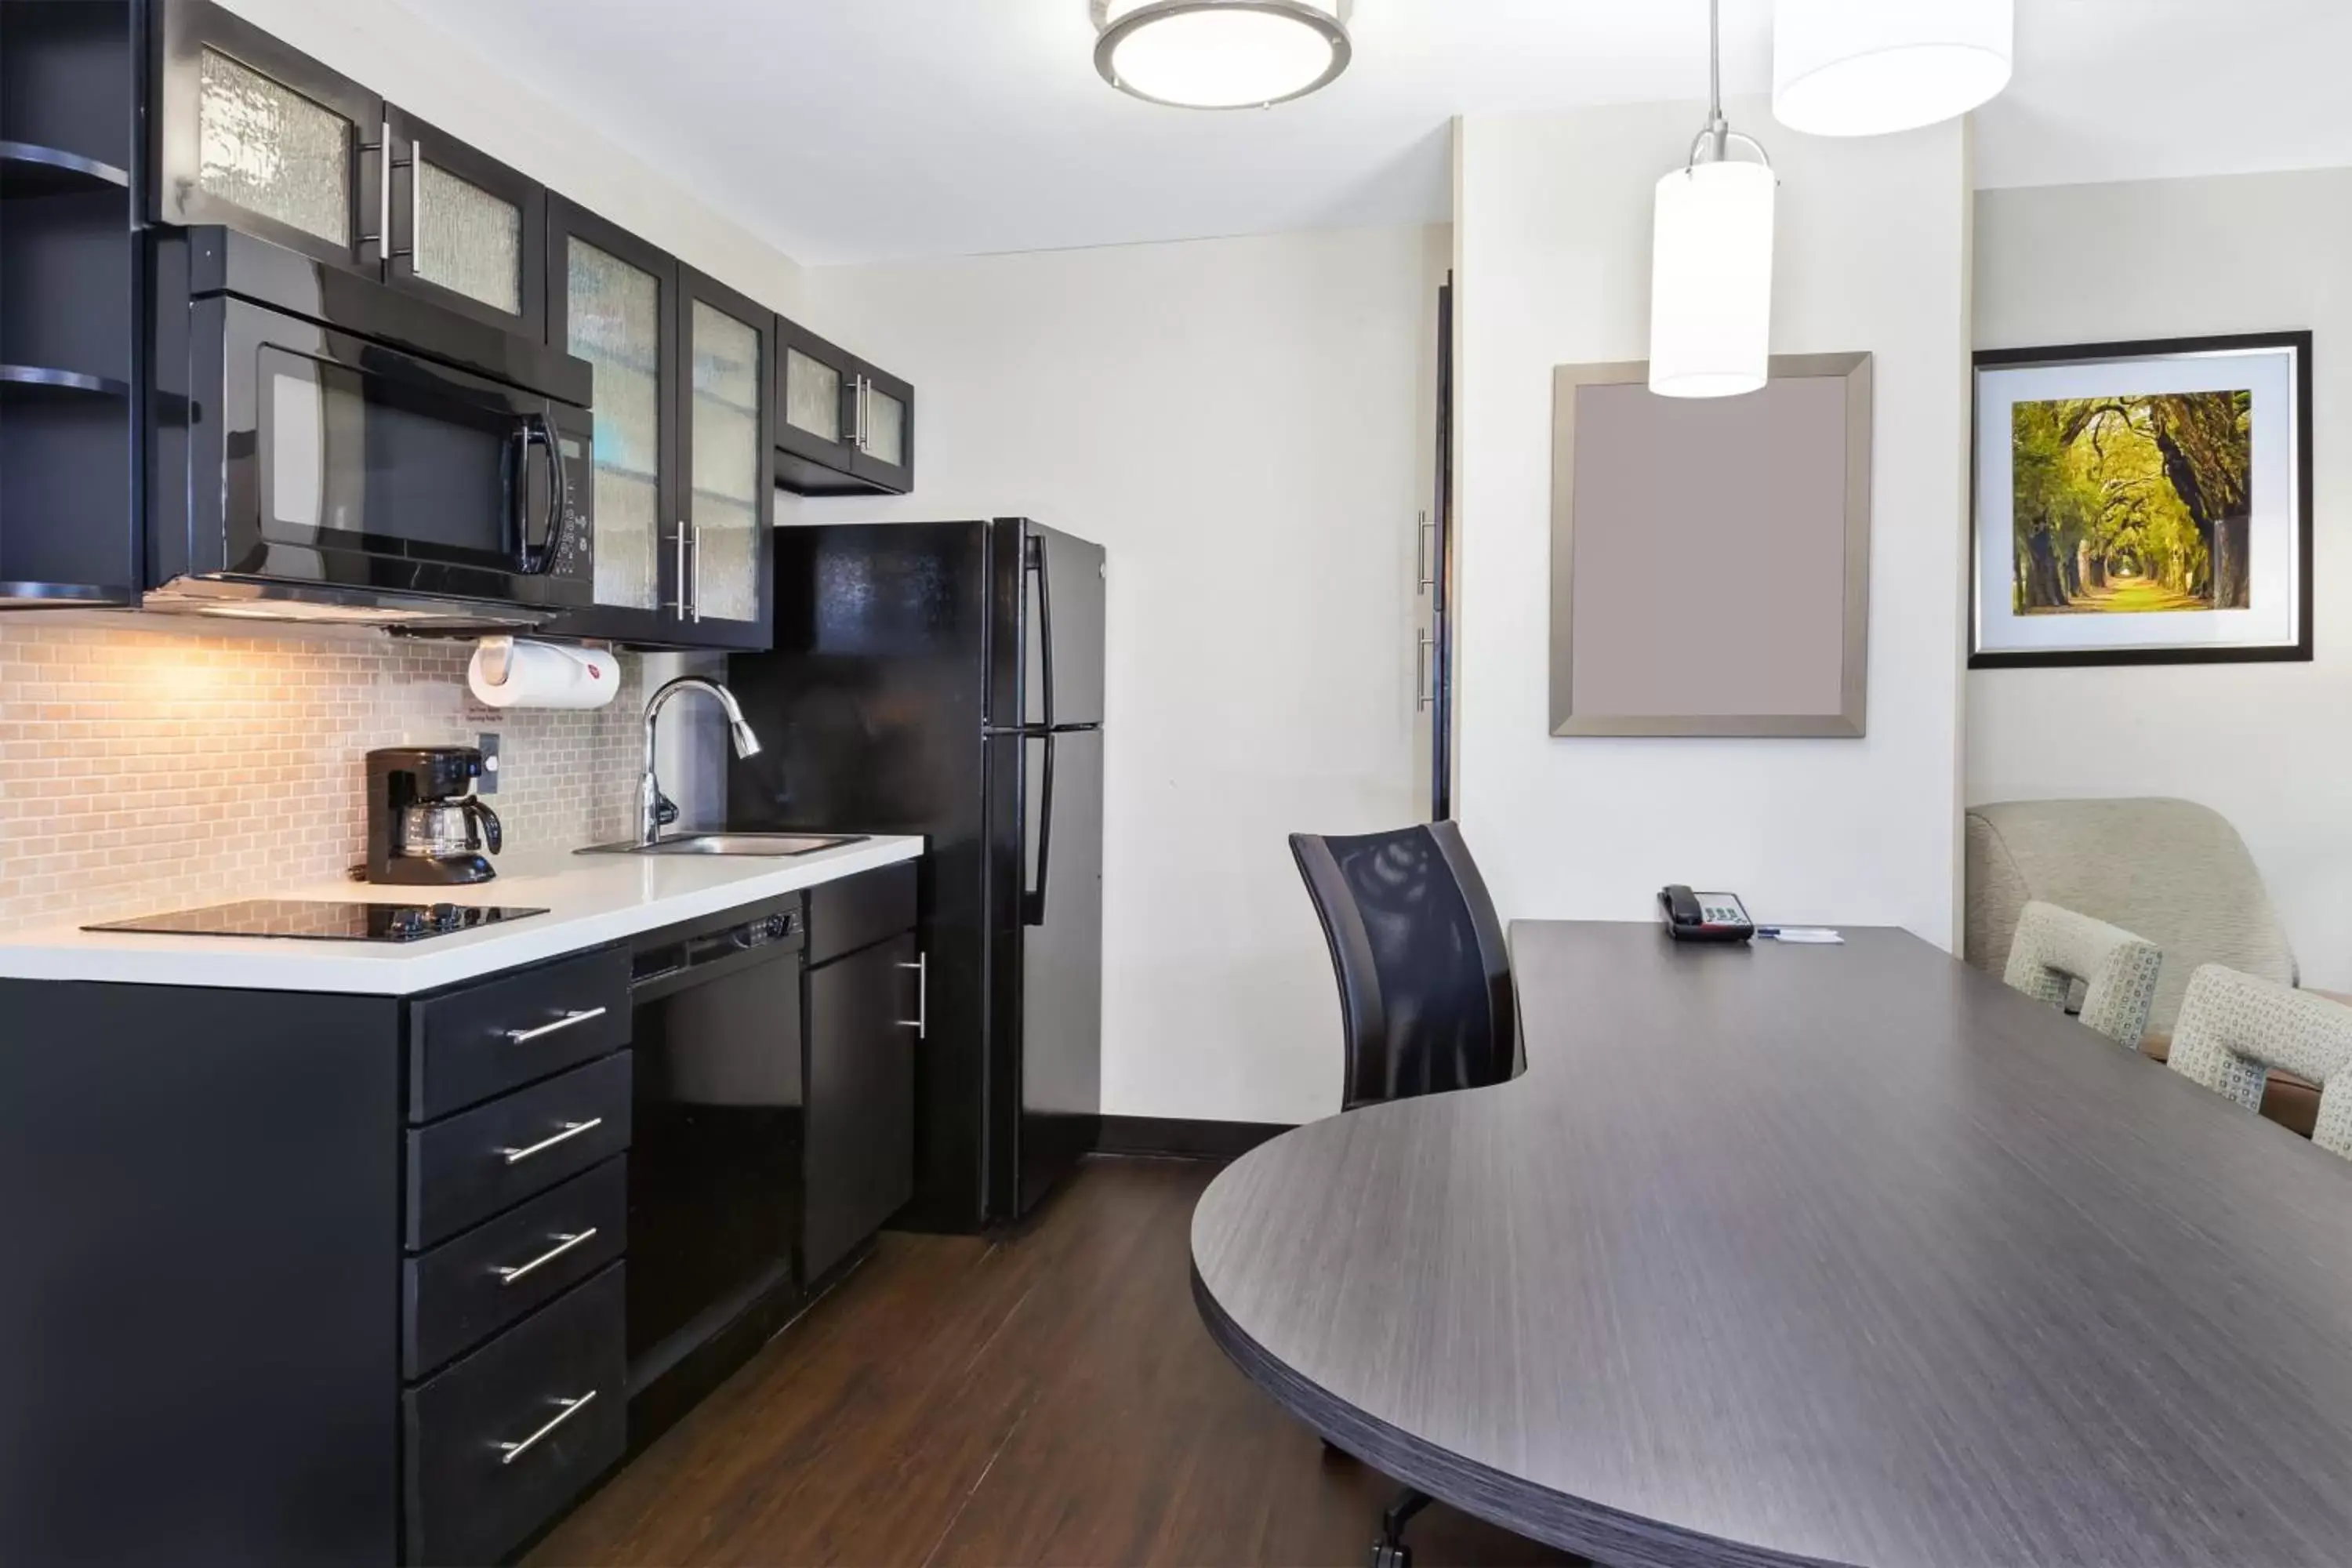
(946,678)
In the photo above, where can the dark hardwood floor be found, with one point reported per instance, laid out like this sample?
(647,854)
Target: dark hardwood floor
(1048,1398)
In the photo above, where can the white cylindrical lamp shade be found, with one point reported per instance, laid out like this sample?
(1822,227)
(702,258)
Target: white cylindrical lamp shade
(1862,67)
(1711,281)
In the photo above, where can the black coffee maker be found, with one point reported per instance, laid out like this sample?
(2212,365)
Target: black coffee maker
(423,823)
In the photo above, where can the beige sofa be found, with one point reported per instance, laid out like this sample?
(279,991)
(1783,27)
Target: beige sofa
(2169,871)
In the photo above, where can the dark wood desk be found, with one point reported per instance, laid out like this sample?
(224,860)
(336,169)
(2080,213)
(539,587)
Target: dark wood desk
(1811,1253)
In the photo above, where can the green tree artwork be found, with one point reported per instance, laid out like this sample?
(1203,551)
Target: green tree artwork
(2131,503)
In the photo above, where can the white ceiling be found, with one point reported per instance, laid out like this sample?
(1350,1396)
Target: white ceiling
(860,129)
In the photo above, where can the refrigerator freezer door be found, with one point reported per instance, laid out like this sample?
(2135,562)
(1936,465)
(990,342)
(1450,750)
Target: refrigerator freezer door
(1062,593)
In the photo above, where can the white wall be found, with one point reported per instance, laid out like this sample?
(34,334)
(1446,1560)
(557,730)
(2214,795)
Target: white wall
(1244,425)
(1552,229)
(425,71)
(2267,745)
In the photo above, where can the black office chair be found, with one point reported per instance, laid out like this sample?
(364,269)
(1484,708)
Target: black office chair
(1425,997)
(1424,980)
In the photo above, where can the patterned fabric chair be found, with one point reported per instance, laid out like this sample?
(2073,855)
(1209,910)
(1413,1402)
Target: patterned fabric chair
(2056,949)
(2235,1030)
(2172,870)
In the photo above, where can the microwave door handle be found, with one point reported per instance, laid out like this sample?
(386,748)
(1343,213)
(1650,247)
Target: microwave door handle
(533,560)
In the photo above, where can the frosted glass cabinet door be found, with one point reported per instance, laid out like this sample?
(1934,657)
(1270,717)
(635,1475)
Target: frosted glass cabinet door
(811,396)
(725,419)
(262,138)
(885,454)
(725,439)
(816,409)
(466,231)
(262,146)
(613,316)
(886,427)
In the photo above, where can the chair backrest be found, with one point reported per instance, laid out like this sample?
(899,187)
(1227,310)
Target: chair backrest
(1425,999)
(2235,1027)
(2054,948)
(2172,871)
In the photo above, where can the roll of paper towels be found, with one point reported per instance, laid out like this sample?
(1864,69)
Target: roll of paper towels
(507,672)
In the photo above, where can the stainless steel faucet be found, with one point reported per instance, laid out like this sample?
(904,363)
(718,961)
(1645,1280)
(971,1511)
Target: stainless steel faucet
(654,811)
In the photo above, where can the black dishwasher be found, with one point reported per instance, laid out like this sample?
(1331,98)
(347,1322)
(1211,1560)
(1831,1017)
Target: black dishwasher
(714,1171)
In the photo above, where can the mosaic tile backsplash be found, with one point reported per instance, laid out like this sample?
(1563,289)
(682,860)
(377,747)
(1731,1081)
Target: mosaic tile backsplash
(144,769)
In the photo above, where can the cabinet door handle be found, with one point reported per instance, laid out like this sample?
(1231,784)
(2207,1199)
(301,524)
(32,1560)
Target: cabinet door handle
(921,1022)
(697,578)
(508,1275)
(381,237)
(680,606)
(509,1452)
(1423,681)
(415,203)
(1424,563)
(570,1130)
(569,1020)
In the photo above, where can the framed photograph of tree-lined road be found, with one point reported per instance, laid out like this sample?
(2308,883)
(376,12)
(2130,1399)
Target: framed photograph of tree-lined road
(2143,503)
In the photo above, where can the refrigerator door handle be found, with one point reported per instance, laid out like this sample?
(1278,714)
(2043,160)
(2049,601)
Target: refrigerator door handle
(1033,900)
(1036,563)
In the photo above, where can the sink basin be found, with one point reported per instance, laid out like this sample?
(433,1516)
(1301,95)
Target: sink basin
(772,844)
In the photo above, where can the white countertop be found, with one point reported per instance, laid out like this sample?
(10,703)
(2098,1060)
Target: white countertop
(590,899)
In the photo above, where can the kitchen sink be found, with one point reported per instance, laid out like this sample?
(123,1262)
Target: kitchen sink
(772,844)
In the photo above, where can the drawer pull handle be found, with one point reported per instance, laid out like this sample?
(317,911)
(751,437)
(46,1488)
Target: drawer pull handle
(509,1452)
(524,1036)
(570,1130)
(507,1275)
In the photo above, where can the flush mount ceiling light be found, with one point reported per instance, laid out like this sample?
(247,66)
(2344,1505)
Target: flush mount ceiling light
(1711,260)
(1861,68)
(1220,54)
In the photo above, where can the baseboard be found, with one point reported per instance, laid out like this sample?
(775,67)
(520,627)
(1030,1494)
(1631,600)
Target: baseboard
(1184,1138)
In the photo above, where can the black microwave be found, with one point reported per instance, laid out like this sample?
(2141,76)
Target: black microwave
(326,447)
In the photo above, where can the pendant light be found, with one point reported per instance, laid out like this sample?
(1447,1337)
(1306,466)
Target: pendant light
(1711,259)
(1220,54)
(1861,67)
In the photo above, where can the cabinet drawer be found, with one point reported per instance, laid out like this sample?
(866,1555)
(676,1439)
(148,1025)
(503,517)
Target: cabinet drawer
(859,910)
(494,1156)
(473,1285)
(500,1442)
(466,1046)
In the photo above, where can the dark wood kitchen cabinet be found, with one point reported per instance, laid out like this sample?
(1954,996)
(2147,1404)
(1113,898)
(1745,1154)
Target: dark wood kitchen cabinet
(311,1278)
(251,132)
(682,486)
(256,135)
(864,1016)
(466,231)
(844,426)
(868,1002)
(72,290)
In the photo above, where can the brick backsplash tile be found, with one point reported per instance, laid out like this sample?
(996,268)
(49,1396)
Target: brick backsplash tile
(141,768)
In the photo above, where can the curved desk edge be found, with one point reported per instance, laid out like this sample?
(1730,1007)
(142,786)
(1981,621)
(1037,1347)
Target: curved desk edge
(1554,1517)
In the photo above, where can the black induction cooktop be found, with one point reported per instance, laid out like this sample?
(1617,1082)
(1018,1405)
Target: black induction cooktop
(322,920)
